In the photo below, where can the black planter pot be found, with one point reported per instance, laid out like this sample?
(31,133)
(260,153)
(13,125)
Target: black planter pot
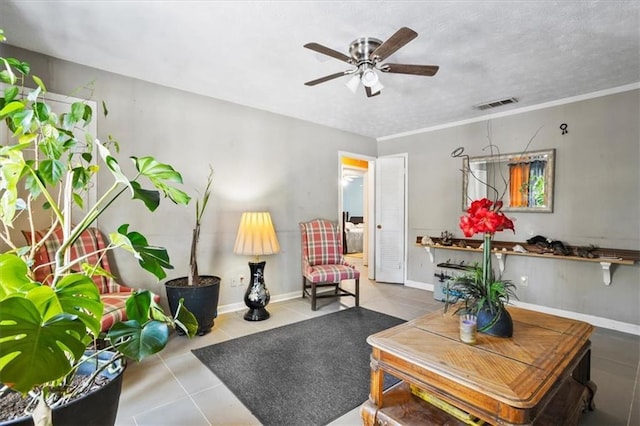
(100,407)
(201,300)
(498,323)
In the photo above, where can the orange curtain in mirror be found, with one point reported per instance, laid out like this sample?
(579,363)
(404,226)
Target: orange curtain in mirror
(518,184)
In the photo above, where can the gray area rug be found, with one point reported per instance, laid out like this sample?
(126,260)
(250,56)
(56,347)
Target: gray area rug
(307,373)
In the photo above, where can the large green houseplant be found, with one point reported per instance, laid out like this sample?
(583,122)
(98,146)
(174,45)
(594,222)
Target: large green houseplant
(199,293)
(45,330)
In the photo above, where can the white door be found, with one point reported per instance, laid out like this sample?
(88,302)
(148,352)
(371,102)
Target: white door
(390,219)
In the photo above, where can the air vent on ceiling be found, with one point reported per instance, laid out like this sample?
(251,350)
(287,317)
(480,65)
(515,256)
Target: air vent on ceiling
(494,104)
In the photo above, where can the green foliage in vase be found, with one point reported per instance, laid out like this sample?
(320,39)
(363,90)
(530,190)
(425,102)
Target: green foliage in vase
(478,295)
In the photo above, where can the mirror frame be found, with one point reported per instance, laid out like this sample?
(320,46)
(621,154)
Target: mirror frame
(548,175)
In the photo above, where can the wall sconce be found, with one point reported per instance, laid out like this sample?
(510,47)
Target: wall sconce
(256,237)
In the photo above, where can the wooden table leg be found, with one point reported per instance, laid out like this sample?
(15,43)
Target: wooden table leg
(369,409)
(582,374)
(377,379)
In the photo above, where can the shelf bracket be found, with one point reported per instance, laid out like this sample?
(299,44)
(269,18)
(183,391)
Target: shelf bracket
(606,272)
(428,249)
(501,258)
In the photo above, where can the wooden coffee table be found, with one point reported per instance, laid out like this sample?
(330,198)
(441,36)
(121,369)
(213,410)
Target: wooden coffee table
(539,376)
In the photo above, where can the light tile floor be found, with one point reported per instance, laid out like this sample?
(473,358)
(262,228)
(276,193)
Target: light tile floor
(174,388)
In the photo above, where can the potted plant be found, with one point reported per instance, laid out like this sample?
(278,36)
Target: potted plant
(199,292)
(484,294)
(50,334)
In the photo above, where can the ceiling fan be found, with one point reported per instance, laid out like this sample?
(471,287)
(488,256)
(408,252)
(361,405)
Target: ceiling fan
(367,53)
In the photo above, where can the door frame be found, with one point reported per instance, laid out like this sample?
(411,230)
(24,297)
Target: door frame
(371,203)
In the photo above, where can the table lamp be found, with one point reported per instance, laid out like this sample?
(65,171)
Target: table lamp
(256,237)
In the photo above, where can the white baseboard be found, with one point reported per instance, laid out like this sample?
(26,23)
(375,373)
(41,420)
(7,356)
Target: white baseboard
(418,284)
(591,319)
(286,296)
(234,307)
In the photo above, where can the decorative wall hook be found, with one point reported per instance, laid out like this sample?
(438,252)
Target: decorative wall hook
(563,127)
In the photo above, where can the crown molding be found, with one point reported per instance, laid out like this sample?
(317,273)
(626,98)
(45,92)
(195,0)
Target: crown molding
(598,94)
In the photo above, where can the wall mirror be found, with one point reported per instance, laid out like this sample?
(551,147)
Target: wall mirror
(524,181)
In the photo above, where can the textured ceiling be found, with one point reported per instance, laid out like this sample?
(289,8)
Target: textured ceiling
(251,53)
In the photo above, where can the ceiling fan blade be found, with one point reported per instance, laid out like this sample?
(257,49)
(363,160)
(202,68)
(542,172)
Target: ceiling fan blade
(403,36)
(325,78)
(427,70)
(330,52)
(369,94)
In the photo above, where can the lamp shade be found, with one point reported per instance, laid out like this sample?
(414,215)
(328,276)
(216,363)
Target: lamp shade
(377,87)
(369,77)
(353,83)
(256,236)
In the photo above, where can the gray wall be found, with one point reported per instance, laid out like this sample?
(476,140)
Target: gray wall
(262,161)
(597,199)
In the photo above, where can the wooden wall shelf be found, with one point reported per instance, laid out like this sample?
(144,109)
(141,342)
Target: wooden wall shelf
(605,256)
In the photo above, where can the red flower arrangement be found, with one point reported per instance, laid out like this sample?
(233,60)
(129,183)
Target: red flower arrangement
(485,216)
(485,295)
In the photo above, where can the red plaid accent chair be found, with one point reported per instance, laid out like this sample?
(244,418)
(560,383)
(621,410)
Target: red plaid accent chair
(112,294)
(323,264)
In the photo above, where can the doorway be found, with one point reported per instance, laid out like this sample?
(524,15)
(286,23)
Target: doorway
(354,197)
(354,187)
(384,230)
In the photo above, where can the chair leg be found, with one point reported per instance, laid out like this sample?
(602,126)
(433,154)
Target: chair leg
(303,286)
(313,296)
(357,291)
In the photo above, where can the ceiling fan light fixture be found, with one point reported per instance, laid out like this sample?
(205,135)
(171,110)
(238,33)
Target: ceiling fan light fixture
(377,87)
(367,55)
(353,83)
(369,77)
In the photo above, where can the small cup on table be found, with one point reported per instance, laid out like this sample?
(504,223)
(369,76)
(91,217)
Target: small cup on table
(468,328)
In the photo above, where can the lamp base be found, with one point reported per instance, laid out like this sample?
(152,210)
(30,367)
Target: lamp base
(257,295)
(259,314)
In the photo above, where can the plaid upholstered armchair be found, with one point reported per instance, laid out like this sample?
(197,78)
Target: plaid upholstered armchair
(92,245)
(323,264)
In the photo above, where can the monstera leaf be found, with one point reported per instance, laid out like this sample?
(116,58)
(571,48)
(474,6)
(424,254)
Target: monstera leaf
(43,330)
(140,336)
(14,277)
(145,333)
(36,350)
(151,258)
(78,295)
(137,341)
